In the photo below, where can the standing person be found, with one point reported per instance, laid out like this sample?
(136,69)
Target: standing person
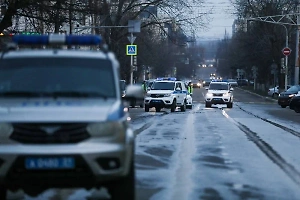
(190,88)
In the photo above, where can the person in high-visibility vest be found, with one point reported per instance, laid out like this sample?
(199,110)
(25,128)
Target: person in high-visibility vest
(190,88)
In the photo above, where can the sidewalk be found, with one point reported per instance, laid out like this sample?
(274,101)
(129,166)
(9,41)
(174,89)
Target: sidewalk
(256,94)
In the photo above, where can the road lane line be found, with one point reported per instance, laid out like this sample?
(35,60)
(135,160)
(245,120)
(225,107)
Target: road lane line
(183,184)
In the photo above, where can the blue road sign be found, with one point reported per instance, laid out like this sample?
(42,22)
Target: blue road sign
(131,50)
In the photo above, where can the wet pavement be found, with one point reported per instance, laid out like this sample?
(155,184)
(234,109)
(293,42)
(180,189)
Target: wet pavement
(246,152)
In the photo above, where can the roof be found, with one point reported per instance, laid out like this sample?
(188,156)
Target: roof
(33,53)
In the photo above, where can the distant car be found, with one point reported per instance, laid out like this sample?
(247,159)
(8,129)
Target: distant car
(284,98)
(196,83)
(295,103)
(242,82)
(137,102)
(273,91)
(232,82)
(206,82)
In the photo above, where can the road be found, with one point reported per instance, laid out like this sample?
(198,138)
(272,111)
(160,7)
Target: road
(246,152)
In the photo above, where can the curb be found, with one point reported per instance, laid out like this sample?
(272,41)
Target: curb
(267,98)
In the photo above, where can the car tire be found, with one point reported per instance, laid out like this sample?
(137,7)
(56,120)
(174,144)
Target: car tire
(282,106)
(297,109)
(157,109)
(189,106)
(132,103)
(229,105)
(124,188)
(3,192)
(207,105)
(183,107)
(146,108)
(173,106)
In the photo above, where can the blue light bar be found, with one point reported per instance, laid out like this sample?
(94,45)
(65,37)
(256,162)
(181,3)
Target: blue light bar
(57,39)
(166,79)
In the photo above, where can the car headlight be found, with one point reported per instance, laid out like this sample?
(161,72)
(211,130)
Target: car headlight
(198,84)
(5,131)
(291,95)
(203,82)
(226,94)
(167,95)
(148,95)
(106,128)
(209,94)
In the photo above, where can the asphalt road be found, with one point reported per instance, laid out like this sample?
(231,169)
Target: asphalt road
(246,152)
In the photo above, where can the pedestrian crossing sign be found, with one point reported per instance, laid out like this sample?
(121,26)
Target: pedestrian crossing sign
(131,50)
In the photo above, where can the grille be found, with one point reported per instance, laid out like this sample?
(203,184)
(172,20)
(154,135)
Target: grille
(157,95)
(217,95)
(50,133)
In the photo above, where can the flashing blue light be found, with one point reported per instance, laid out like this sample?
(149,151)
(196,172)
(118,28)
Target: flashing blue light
(57,39)
(166,79)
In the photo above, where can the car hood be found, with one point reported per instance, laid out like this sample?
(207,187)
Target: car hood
(160,91)
(60,109)
(287,93)
(217,91)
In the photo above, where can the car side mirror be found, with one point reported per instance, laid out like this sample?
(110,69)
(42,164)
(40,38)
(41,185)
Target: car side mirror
(231,89)
(134,92)
(206,88)
(148,88)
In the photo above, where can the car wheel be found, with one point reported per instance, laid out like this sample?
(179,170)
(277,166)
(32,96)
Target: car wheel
(297,109)
(157,109)
(3,192)
(146,108)
(207,105)
(189,106)
(173,106)
(229,105)
(282,106)
(183,107)
(125,188)
(132,103)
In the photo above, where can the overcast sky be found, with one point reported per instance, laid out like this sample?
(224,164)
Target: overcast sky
(222,18)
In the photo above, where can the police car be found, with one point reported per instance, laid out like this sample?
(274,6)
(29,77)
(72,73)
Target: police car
(219,92)
(166,93)
(63,123)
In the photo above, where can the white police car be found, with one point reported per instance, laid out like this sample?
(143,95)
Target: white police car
(166,93)
(219,92)
(62,117)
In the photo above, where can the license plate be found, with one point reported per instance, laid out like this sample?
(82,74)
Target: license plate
(155,101)
(50,163)
(217,99)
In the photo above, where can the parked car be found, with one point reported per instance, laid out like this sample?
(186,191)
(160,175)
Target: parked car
(295,103)
(242,82)
(284,98)
(274,91)
(232,82)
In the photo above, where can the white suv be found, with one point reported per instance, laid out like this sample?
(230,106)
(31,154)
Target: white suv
(219,93)
(168,93)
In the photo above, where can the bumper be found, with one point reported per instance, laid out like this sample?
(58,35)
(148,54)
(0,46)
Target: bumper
(218,100)
(284,101)
(94,163)
(159,102)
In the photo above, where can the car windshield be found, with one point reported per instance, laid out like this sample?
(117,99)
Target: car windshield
(59,77)
(218,87)
(163,86)
(294,88)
